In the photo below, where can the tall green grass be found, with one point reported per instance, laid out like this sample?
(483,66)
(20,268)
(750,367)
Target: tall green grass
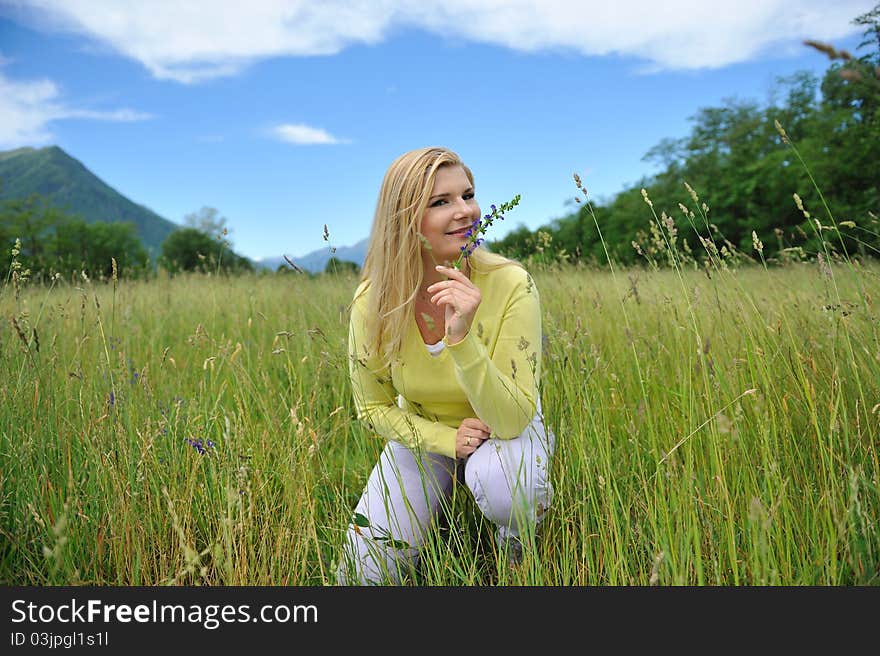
(714,426)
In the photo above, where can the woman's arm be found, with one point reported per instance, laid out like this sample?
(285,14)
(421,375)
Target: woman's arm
(375,398)
(503,388)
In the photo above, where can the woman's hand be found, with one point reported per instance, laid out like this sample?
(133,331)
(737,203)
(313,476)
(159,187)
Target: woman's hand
(471,434)
(461,298)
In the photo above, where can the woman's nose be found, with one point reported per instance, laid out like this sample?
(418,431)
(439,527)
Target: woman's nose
(462,208)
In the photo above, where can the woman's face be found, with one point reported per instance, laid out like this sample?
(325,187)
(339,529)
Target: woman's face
(452,209)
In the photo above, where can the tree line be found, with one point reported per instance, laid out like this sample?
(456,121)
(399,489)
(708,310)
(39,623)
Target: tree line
(749,177)
(53,241)
(49,241)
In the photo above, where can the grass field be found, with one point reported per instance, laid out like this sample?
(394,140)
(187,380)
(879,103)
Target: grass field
(714,427)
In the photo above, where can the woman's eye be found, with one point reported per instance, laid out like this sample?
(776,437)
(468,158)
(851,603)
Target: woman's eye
(440,201)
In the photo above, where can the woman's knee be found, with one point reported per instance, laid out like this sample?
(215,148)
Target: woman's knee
(492,491)
(510,478)
(508,495)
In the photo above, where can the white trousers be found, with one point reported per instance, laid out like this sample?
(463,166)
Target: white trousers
(509,480)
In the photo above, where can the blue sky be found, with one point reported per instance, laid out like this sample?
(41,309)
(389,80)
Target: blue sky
(284,115)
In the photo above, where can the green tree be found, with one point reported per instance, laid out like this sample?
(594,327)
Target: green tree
(190,249)
(55,241)
(335,266)
(517,244)
(745,174)
(33,221)
(208,220)
(92,247)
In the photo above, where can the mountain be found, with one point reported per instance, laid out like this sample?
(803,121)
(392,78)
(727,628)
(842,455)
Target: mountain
(317,260)
(68,185)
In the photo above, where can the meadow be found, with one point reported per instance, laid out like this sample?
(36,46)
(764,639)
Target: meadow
(715,425)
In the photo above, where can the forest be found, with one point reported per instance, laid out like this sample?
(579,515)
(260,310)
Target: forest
(748,175)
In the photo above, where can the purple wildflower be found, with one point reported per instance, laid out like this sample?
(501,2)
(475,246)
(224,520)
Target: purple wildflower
(200,446)
(479,227)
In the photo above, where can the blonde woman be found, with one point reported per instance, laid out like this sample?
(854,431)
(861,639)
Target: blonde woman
(445,367)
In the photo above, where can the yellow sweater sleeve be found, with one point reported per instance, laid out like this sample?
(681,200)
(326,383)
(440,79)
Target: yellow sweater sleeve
(503,389)
(375,398)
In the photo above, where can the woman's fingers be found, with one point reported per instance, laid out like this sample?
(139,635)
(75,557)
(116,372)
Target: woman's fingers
(461,301)
(455,274)
(474,422)
(450,284)
(483,426)
(450,301)
(468,445)
(471,434)
(457,281)
(453,293)
(468,288)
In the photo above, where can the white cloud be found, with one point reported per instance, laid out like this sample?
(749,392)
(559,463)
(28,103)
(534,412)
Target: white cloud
(299,133)
(117,115)
(28,107)
(200,39)
(25,110)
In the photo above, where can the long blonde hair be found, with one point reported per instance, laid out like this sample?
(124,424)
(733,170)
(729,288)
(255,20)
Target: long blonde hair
(393,264)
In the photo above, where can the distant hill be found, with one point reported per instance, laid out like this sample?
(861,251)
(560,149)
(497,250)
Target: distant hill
(316,261)
(68,185)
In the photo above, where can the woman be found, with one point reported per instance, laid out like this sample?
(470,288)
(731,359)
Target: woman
(445,366)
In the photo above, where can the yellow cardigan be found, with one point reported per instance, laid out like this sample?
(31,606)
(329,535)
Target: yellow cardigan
(493,373)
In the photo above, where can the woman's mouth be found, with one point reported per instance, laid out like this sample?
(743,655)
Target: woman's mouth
(458,233)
